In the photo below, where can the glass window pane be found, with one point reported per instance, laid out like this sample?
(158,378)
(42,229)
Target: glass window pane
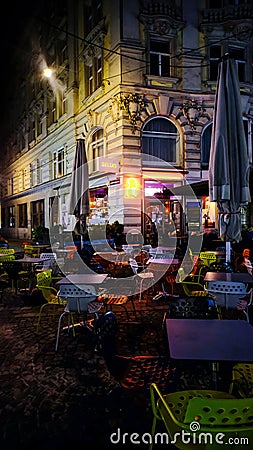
(165,66)
(160,139)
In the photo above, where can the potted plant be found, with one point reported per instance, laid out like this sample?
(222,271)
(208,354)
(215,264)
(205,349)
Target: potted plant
(40,235)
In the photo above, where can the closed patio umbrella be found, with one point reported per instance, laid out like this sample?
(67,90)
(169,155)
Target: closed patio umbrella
(229,163)
(79,203)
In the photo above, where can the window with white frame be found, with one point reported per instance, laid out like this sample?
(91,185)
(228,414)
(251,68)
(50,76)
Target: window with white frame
(90,79)
(22,215)
(39,171)
(37,213)
(38,124)
(161,139)
(32,129)
(93,13)
(160,57)
(64,103)
(96,149)
(52,111)
(21,180)
(10,186)
(94,74)
(59,163)
(98,71)
(238,53)
(11,216)
(33,174)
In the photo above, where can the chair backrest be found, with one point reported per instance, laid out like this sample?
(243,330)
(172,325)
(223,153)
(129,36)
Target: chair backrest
(72,250)
(105,330)
(211,412)
(78,297)
(4,258)
(48,259)
(192,308)
(191,288)
(227,293)
(47,256)
(221,415)
(44,280)
(207,258)
(242,379)
(152,252)
(7,251)
(127,248)
(134,265)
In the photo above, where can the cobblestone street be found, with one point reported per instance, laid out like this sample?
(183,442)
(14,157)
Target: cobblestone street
(51,399)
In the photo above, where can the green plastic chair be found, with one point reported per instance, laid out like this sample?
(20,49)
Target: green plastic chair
(202,414)
(191,288)
(50,294)
(242,380)
(13,271)
(207,258)
(7,251)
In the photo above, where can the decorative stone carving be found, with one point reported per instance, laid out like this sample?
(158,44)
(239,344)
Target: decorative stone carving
(134,105)
(192,111)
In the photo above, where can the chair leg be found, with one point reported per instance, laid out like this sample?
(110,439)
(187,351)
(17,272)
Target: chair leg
(153,432)
(141,284)
(58,329)
(133,307)
(39,318)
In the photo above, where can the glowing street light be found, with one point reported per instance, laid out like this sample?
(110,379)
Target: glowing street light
(48,72)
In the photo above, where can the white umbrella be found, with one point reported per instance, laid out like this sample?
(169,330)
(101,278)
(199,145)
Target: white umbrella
(229,163)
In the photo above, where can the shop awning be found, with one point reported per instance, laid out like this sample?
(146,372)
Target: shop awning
(198,189)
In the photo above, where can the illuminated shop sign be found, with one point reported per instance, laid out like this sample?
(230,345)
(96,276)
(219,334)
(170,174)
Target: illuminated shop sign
(108,165)
(131,187)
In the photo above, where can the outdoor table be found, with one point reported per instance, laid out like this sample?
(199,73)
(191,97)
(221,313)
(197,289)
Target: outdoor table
(31,264)
(83,278)
(64,251)
(29,261)
(40,247)
(211,340)
(226,276)
(108,258)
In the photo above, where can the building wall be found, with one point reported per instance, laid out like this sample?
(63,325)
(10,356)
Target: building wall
(126,98)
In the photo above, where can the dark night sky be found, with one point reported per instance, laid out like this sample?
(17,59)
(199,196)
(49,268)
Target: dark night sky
(13,24)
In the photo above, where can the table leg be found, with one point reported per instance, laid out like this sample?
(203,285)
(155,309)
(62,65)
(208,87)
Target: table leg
(215,370)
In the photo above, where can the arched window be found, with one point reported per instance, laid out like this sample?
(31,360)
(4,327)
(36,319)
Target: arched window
(205,146)
(206,142)
(160,138)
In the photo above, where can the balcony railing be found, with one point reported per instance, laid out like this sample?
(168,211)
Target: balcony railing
(220,15)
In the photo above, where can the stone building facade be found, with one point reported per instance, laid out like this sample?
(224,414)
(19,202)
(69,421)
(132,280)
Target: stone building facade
(135,79)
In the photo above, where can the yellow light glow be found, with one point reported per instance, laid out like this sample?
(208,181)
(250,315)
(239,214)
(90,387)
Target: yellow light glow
(132,187)
(48,72)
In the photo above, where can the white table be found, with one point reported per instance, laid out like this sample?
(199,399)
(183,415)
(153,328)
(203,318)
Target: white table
(83,278)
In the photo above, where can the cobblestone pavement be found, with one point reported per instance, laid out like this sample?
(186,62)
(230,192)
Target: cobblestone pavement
(50,399)
(54,400)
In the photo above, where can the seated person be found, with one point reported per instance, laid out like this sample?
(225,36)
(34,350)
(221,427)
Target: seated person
(243,263)
(244,304)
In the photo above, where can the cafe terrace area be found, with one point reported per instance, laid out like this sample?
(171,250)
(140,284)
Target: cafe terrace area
(87,377)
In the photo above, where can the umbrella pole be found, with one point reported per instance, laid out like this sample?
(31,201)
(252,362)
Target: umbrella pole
(228,252)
